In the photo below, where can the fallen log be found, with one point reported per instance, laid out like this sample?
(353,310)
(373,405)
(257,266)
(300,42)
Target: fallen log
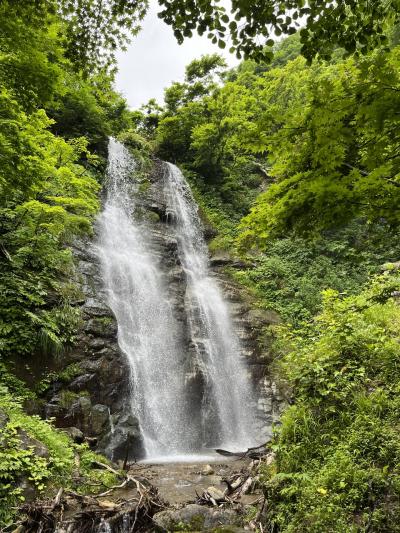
(256,452)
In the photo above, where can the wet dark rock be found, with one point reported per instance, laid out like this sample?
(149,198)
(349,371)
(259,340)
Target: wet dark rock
(94,307)
(102,327)
(221,258)
(99,418)
(84,405)
(261,317)
(75,434)
(3,418)
(98,403)
(124,439)
(84,382)
(158,208)
(209,232)
(28,490)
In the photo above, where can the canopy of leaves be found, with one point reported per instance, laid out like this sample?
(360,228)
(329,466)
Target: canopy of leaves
(96,29)
(253,23)
(330,135)
(324,138)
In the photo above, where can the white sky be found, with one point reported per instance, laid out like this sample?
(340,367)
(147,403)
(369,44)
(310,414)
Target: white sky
(154,59)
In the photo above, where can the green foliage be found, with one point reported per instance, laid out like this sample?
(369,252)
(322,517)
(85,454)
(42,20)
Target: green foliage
(96,29)
(290,275)
(203,133)
(30,53)
(34,454)
(48,185)
(69,373)
(205,68)
(355,26)
(338,449)
(45,199)
(90,109)
(48,198)
(340,118)
(319,147)
(186,109)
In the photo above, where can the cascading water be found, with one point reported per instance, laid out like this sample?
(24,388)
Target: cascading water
(171,423)
(228,395)
(146,328)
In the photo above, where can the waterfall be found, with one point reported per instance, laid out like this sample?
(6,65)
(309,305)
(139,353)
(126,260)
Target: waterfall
(228,394)
(148,329)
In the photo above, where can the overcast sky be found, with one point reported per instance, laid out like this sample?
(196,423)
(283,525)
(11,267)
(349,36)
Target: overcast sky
(154,59)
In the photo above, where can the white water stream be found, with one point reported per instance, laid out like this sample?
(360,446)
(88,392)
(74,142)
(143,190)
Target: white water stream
(148,331)
(217,346)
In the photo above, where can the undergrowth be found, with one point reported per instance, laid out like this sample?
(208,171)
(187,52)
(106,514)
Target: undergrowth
(338,448)
(36,458)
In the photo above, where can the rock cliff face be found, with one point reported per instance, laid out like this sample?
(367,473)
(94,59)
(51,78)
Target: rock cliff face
(91,395)
(92,398)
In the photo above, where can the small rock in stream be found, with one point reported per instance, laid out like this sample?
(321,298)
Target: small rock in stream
(207,471)
(216,494)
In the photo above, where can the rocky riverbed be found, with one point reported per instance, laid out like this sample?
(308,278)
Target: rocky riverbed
(223,495)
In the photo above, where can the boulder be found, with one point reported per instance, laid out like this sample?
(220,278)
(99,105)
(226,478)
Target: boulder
(75,434)
(216,494)
(83,382)
(124,438)
(207,471)
(262,317)
(104,326)
(195,518)
(27,442)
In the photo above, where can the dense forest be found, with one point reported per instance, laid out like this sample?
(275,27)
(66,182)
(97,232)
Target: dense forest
(293,158)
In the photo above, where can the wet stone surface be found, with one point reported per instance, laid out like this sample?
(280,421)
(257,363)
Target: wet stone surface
(180,483)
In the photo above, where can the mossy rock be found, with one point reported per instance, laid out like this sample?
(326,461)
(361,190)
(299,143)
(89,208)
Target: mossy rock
(196,518)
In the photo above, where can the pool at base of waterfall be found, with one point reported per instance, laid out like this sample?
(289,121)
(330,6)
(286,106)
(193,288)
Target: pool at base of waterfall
(184,458)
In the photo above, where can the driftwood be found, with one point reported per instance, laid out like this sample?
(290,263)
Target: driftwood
(236,487)
(256,522)
(91,513)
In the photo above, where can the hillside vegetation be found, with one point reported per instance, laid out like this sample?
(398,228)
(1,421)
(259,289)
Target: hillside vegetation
(54,124)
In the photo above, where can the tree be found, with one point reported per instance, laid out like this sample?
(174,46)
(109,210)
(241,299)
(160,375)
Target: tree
(331,138)
(31,53)
(95,29)
(252,23)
